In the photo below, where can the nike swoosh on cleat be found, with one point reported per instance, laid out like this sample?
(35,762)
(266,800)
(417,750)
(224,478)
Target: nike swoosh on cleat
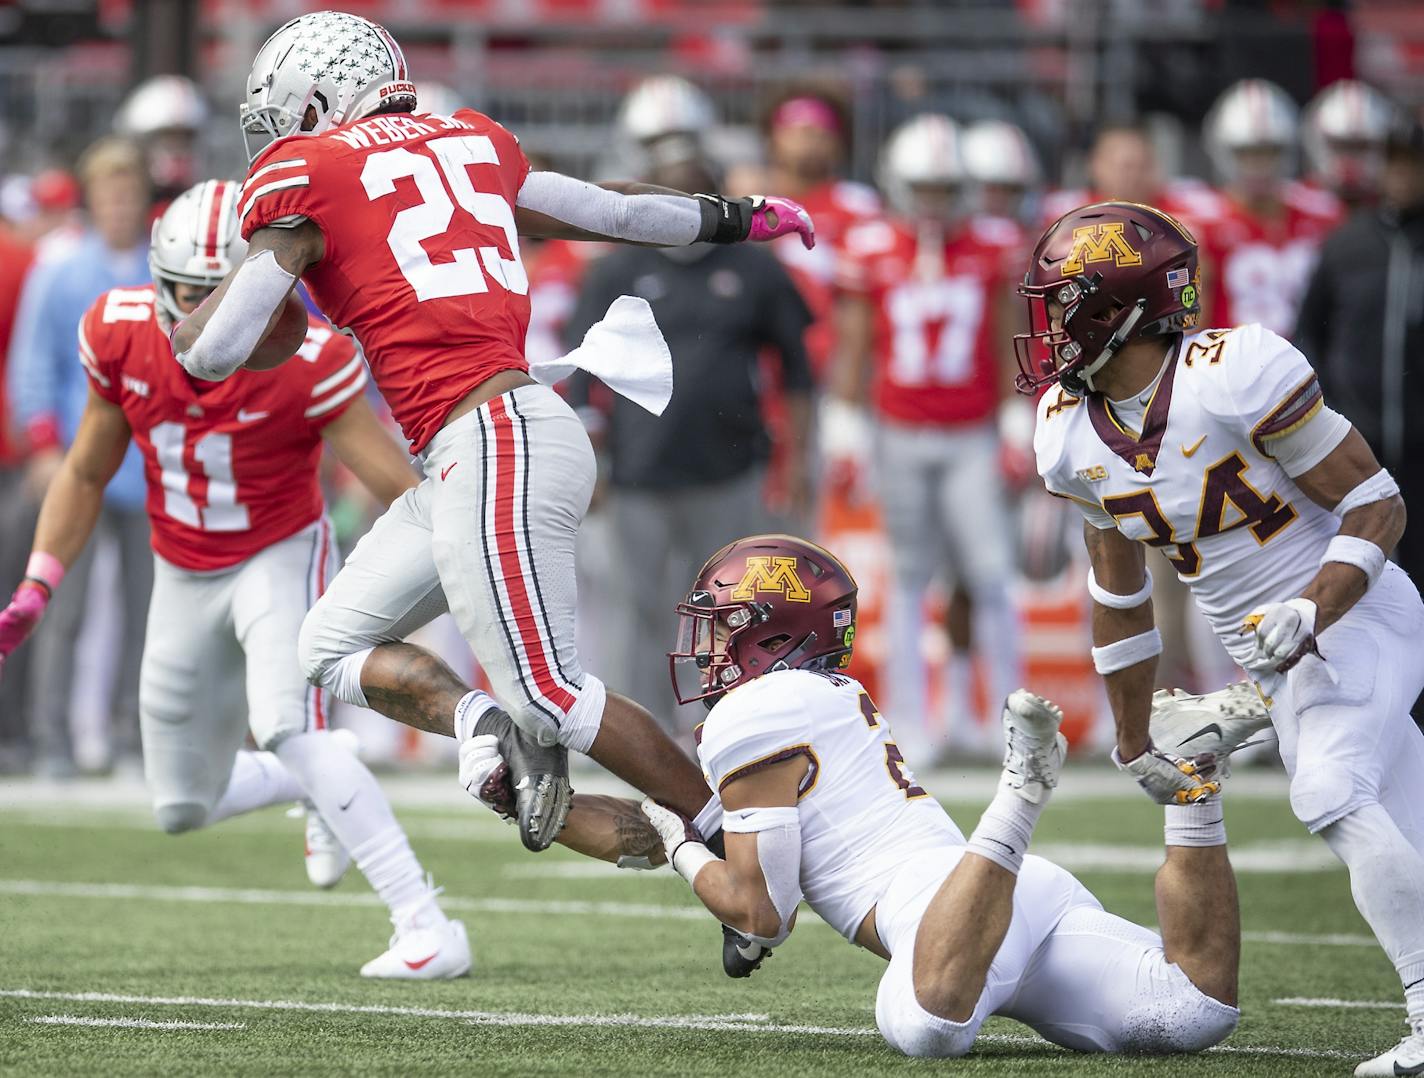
(1408,1072)
(1210,728)
(421,963)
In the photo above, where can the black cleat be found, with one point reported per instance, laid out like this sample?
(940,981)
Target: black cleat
(741,957)
(539,777)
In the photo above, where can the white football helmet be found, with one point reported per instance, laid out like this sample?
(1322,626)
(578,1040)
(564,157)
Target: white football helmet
(922,152)
(196,241)
(1346,125)
(162,103)
(665,105)
(341,66)
(999,152)
(1252,113)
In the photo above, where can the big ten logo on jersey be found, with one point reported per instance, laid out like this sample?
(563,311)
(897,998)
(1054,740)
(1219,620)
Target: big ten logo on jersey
(766,574)
(1100,243)
(317,336)
(934,326)
(895,765)
(128,305)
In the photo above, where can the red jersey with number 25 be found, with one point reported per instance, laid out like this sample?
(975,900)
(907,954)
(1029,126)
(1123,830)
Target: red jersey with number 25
(936,355)
(422,258)
(231,466)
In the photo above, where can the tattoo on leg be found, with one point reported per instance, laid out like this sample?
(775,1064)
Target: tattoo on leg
(413,686)
(636,836)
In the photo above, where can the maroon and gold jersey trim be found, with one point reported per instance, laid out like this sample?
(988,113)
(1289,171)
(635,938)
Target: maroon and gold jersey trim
(1298,409)
(1140,452)
(808,781)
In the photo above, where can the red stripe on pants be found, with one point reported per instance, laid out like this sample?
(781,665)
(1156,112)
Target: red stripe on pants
(507,552)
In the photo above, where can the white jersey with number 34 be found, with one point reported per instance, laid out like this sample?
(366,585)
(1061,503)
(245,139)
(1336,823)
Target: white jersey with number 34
(1201,480)
(862,815)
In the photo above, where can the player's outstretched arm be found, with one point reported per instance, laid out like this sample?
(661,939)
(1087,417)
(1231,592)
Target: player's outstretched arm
(67,516)
(757,888)
(220,336)
(1350,483)
(362,444)
(554,206)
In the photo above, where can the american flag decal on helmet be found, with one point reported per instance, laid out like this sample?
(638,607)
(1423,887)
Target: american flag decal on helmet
(840,619)
(1178,278)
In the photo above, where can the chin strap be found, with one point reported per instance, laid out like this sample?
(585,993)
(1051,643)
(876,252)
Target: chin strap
(1116,341)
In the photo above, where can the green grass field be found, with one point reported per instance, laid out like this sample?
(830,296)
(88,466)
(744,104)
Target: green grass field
(580,970)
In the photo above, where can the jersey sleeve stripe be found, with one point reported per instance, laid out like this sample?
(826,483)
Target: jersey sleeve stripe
(340,376)
(809,780)
(322,407)
(275,166)
(90,361)
(269,188)
(1299,407)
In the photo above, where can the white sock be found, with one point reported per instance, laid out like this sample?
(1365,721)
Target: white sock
(389,864)
(470,710)
(1202,824)
(709,820)
(1005,829)
(1387,880)
(355,808)
(258,780)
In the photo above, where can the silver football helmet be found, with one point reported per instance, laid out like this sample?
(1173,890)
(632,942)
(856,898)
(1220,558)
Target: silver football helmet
(665,105)
(1250,114)
(920,153)
(998,152)
(196,241)
(341,66)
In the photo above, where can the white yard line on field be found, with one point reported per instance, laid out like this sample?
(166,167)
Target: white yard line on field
(727,1023)
(1349,1004)
(128,1023)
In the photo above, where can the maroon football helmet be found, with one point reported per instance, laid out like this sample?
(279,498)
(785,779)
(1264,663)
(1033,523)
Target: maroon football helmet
(1117,271)
(764,603)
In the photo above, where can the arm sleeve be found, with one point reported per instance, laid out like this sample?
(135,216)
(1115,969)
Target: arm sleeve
(336,378)
(666,220)
(785,319)
(754,726)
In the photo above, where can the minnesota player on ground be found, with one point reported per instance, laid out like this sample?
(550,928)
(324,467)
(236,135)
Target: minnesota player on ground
(1260,251)
(406,228)
(1216,447)
(242,549)
(819,803)
(923,335)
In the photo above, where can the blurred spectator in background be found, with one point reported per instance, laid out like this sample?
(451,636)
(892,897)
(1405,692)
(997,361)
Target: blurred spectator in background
(1001,162)
(1362,326)
(925,327)
(685,483)
(1261,250)
(165,116)
(48,389)
(1346,125)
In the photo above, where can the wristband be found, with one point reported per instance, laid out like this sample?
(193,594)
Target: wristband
(1129,651)
(1361,553)
(1376,488)
(1112,599)
(45,569)
(724,220)
(691,858)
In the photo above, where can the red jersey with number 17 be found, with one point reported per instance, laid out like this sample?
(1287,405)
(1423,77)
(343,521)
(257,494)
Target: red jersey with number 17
(231,466)
(422,257)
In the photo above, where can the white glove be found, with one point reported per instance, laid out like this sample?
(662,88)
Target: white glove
(484,775)
(1285,633)
(686,851)
(1171,780)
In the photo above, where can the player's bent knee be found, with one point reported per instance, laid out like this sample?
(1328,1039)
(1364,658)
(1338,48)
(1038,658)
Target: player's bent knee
(179,816)
(909,1028)
(1320,795)
(1189,1021)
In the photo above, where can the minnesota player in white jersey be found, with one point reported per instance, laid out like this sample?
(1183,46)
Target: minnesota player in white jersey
(819,803)
(1216,447)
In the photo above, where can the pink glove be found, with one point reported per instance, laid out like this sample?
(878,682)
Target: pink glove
(790,217)
(19,619)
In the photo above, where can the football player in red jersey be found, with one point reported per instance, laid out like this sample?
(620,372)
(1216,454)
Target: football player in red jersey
(926,297)
(1263,247)
(242,550)
(1346,127)
(405,227)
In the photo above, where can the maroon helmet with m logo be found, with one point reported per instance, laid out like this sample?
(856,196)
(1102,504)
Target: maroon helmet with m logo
(764,603)
(1101,276)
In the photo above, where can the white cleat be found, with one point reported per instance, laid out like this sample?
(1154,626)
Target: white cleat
(433,953)
(1218,723)
(327,860)
(1034,749)
(1405,1058)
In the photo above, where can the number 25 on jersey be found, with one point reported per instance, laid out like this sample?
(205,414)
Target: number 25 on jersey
(443,181)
